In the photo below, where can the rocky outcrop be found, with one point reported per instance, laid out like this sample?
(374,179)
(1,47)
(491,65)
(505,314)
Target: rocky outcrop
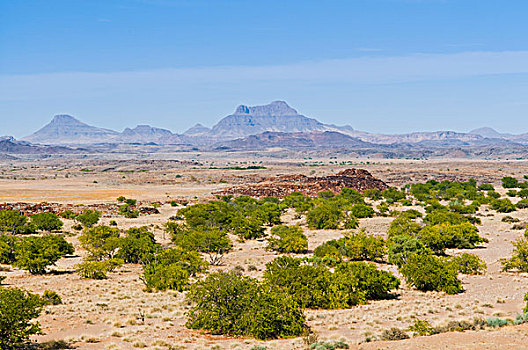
(357,179)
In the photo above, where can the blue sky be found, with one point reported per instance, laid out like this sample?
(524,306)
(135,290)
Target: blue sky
(388,66)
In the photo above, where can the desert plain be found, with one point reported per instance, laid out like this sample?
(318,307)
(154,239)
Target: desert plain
(118,313)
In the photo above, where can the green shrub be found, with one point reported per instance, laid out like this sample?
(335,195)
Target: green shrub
(361,211)
(46,222)
(97,269)
(510,219)
(468,264)
(14,222)
(51,298)
(89,217)
(288,239)
(163,277)
(403,225)
(509,182)
(486,187)
(67,214)
(101,242)
(422,327)
(128,212)
(442,236)
(36,253)
(205,240)
(329,345)
(171,269)
(230,304)
(300,202)
(402,246)
(522,204)
(17,309)
(324,216)
(511,193)
(519,259)
(137,246)
(315,286)
(429,273)
(503,205)
(355,246)
(7,248)
(496,322)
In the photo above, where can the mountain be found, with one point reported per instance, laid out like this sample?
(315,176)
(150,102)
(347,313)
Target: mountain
(65,129)
(145,134)
(197,130)
(488,133)
(310,140)
(276,116)
(8,145)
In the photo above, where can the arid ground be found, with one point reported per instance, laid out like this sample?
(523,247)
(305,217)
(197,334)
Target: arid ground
(117,313)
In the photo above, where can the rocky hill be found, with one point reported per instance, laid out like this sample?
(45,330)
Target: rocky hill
(8,145)
(311,140)
(276,116)
(65,129)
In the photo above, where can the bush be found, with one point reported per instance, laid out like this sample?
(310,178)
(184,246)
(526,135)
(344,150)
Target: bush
(128,212)
(89,217)
(137,246)
(101,242)
(355,246)
(17,309)
(226,303)
(171,269)
(509,182)
(394,334)
(510,219)
(486,187)
(14,222)
(46,222)
(503,205)
(324,216)
(205,240)
(429,273)
(36,253)
(403,225)
(522,204)
(422,327)
(361,211)
(7,249)
(519,259)
(442,236)
(329,345)
(97,270)
(288,239)
(67,214)
(163,277)
(51,298)
(315,286)
(403,246)
(468,264)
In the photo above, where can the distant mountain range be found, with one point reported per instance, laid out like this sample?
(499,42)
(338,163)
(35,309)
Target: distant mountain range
(275,125)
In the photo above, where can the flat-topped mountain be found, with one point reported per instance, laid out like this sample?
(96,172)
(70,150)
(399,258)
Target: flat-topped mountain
(65,129)
(276,116)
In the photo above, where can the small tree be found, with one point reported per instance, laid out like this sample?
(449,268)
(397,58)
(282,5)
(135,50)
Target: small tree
(427,272)
(17,309)
(46,222)
(325,216)
(102,242)
(97,270)
(403,246)
(288,239)
(230,304)
(138,246)
(12,221)
(89,217)
(519,259)
(510,182)
(36,253)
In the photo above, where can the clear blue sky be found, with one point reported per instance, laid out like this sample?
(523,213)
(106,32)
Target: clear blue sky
(387,66)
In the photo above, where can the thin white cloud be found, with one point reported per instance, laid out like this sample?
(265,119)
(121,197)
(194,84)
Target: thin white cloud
(364,70)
